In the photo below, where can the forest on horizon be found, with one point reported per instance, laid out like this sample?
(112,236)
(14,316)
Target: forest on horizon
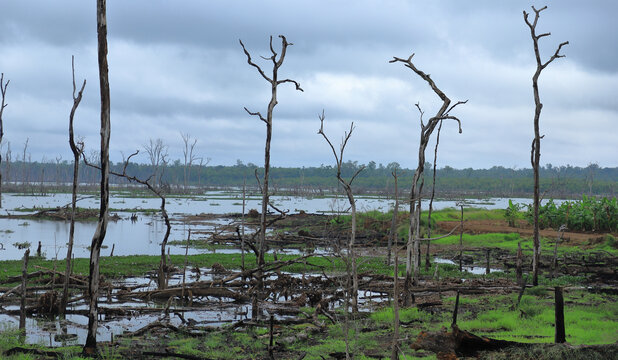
(557,181)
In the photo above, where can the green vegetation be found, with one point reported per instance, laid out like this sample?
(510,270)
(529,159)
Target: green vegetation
(588,214)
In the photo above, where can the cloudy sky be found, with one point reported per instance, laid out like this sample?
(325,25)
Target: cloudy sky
(177,66)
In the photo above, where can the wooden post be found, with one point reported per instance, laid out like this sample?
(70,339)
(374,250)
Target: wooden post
(112,253)
(22,307)
(454,323)
(519,261)
(559,312)
(487,251)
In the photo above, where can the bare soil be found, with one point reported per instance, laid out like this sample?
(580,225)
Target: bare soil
(583,239)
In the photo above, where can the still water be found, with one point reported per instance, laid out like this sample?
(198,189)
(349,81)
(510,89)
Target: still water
(143,237)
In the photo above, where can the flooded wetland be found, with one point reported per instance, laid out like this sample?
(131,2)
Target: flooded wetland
(209,286)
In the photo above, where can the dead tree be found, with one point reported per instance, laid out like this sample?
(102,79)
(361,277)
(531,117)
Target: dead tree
(433,193)
(189,157)
(413,248)
(77,149)
(90,347)
(163,267)
(347,186)
(3,87)
(157,153)
(393,235)
(535,153)
(274,82)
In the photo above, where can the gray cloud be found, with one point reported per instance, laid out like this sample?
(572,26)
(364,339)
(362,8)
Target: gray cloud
(177,67)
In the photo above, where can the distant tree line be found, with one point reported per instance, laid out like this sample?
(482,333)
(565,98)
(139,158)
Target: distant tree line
(556,181)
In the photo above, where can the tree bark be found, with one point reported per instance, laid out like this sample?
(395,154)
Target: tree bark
(77,150)
(90,347)
(536,143)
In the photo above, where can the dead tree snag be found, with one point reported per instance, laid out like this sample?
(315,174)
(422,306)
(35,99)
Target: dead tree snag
(90,347)
(3,87)
(163,267)
(347,186)
(274,81)
(536,143)
(393,235)
(78,150)
(413,248)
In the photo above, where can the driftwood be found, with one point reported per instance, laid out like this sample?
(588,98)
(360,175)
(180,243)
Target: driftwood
(195,291)
(459,343)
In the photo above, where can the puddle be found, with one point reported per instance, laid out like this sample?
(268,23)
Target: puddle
(478,270)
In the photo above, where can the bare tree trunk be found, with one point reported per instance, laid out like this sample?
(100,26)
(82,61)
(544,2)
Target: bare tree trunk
(162,278)
(395,350)
(189,157)
(518,271)
(433,193)
(274,82)
(77,150)
(90,347)
(393,235)
(242,225)
(24,279)
(413,262)
(3,86)
(461,239)
(536,143)
(347,185)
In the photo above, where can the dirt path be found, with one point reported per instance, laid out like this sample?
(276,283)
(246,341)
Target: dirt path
(501,226)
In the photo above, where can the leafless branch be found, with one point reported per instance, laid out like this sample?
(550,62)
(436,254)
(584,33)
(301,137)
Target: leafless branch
(291,81)
(257,113)
(250,62)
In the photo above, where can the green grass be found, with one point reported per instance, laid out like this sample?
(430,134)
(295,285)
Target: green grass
(533,321)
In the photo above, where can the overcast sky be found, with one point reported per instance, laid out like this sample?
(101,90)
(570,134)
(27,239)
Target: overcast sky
(177,66)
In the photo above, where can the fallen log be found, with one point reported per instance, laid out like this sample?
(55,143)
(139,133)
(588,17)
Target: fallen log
(196,291)
(459,343)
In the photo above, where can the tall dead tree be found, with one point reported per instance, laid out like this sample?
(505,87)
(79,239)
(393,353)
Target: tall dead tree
(3,87)
(413,246)
(392,239)
(189,157)
(273,80)
(535,153)
(157,154)
(77,149)
(347,186)
(90,347)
